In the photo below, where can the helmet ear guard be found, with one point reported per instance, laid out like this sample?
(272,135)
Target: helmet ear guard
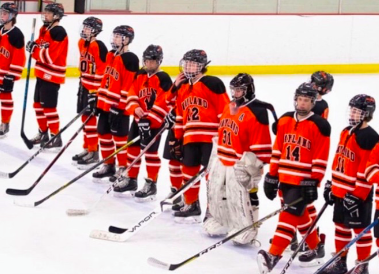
(242,82)
(307,90)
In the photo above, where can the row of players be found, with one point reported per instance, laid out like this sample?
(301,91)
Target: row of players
(198,108)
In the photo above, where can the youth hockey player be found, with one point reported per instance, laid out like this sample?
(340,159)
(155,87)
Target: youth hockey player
(349,191)
(113,124)
(50,53)
(93,55)
(12,61)
(324,83)
(146,102)
(244,145)
(200,100)
(298,163)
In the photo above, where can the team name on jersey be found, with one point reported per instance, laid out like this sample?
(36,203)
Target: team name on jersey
(4,52)
(193,100)
(87,56)
(300,141)
(112,71)
(146,92)
(229,123)
(346,152)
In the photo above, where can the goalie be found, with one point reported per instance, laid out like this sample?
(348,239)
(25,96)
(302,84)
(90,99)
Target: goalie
(243,146)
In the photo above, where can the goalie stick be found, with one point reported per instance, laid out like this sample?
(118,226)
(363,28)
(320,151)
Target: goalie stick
(365,261)
(14,173)
(123,234)
(79,212)
(37,203)
(158,263)
(12,191)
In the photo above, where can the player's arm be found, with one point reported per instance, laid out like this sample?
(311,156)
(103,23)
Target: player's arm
(131,66)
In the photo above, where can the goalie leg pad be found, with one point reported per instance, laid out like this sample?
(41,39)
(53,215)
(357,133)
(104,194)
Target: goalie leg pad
(213,228)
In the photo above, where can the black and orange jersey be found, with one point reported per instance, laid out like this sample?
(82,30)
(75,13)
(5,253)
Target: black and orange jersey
(118,78)
(141,91)
(51,54)
(301,148)
(321,108)
(12,53)
(198,109)
(349,164)
(241,129)
(93,56)
(372,171)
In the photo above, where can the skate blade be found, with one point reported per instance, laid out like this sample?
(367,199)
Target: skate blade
(316,262)
(103,181)
(74,163)
(188,220)
(85,167)
(146,199)
(126,194)
(262,264)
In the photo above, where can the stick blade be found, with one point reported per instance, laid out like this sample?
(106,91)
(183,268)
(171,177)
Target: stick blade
(117,230)
(105,235)
(4,175)
(27,142)
(158,263)
(77,212)
(17,192)
(24,204)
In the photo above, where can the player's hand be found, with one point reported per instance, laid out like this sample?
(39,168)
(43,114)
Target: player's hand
(30,46)
(139,113)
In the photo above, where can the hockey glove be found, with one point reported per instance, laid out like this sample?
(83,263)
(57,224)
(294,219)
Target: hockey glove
(176,149)
(270,186)
(92,102)
(144,130)
(328,195)
(114,118)
(8,83)
(170,118)
(351,204)
(30,46)
(309,190)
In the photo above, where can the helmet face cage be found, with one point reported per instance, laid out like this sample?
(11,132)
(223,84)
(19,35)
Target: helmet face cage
(119,36)
(190,68)
(323,81)
(91,27)
(9,9)
(365,104)
(244,83)
(356,115)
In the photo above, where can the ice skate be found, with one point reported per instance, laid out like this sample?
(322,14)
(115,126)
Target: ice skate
(4,129)
(106,171)
(125,186)
(266,261)
(189,214)
(148,192)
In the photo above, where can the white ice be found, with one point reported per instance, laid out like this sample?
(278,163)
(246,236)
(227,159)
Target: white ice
(46,240)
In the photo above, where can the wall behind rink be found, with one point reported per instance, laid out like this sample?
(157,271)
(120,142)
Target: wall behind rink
(253,43)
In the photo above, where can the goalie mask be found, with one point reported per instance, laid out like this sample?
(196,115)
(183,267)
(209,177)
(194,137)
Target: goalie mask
(119,35)
(53,12)
(91,27)
(361,108)
(307,90)
(242,88)
(152,53)
(8,12)
(193,63)
(323,81)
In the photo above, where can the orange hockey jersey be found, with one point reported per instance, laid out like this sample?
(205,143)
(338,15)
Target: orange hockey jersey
(141,91)
(372,171)
(301,148)
(349,164)
(245,130)
(199,108)
(92,63)
(12,53)
(118,78)
(51,54)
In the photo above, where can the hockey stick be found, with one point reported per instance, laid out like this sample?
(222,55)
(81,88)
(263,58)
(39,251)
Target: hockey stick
(365,261)
(347,246)
(78,212)
(120,237)
(12,191)
(309,231)
(37,203)
(158,263)
(12,174)
(28,143)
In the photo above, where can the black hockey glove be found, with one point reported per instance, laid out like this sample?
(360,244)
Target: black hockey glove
(176,149)
(270,186)
(170,118)
(115,115)
(309,190)
(8,83)
(92,103)
(328,195)
(351,204)
(144,130)
(30,46)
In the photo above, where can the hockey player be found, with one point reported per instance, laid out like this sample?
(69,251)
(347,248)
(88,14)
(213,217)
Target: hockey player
(244,145)
(349,191)
(12,61)
(323,82)
(113,125)
(50,53)
(200,101)
(146,102)
(93,55)
(298,162)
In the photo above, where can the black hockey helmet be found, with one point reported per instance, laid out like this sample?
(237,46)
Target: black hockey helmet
(323,81)
(125,31)
(95,24)
(244,81)
(153,52)
(196,55)
(57,9)
(307,90)
(11,8)
(365,103)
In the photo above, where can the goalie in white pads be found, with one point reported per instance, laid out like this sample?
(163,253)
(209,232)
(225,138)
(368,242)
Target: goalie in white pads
(243,146)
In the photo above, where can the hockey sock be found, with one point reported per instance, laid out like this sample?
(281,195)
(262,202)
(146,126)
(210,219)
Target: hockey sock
(52,117)
(284,233)
(176,176)
(153,164)
(312,212)
(41,118)
(363,244)
(6,107)
(304,223)
(91,138)
(342,237)
(122,155)
(107,147)
(192,194)
(133,152)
